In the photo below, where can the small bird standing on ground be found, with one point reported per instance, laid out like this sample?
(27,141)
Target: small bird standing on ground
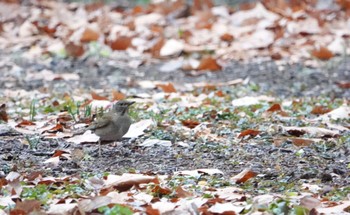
(114,124)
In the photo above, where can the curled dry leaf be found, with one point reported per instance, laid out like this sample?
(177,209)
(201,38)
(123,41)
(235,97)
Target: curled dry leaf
(250,132)
(89,35)
(25,123)
(57,128)
(190,123)
(167,88)
(343,112)
(344,84)
(126,181)
(117,95)
(95,96)
(320,110)
(158,190)
(313,131)
(155,50)
(244,176)
(274,108)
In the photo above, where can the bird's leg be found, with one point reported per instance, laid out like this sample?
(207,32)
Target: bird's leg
(99,148)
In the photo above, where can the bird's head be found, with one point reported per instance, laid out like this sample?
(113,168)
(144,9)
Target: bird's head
(122,106)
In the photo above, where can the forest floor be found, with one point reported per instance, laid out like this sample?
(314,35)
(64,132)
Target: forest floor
(237,110)
(280,163)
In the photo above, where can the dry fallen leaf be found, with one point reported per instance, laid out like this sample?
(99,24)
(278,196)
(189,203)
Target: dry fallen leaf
(313,131)
(3,114)
(250,132)
(190,123)
(301,142)
(167,88)
(244,176)
(274,108)
(74,50)
(117,95)
(322,53)
(87,205)
(320,110)
(121,43)
(209,63)
(95,96)
(227,37)
(89,35)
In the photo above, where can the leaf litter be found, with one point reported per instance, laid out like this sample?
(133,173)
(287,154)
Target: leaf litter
(226,147)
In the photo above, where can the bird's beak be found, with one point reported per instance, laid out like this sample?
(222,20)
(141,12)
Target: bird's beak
(131,102)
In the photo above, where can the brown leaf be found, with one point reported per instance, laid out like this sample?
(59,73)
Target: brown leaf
(89,35)
(33,175)
(58,153)
(190,123)
(181,193)
(296,132)
(74,50)
(151,211)
(274,108)
(129,180)
(344,84)
(320,110)
(121,43)
(301,142)
(95,96)
(3,114)
(28,206)
(200,5)
(250,132)
(322,53)
(227,37)
(155,50)
(276,56)
(219,93)
(209,63)
(244,176)
(56,128)
(25,123)
(344,4)
(160,190)
(167,88)
(117,95)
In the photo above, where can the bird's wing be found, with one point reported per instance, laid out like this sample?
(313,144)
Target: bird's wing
(100,122)
(124,123)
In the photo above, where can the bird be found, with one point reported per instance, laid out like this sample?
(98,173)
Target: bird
(113,124)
